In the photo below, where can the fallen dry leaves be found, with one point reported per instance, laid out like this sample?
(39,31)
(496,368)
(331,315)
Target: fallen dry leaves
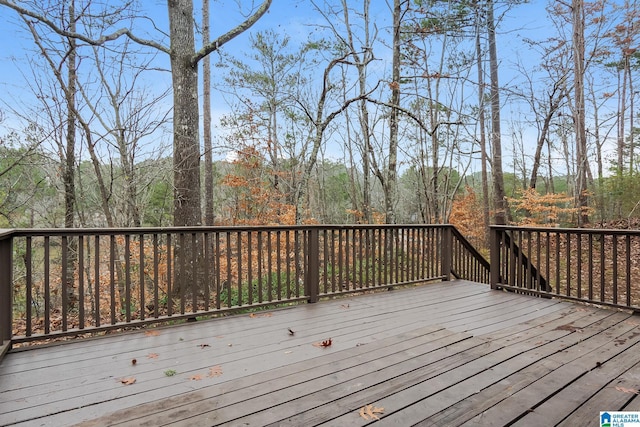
(152,356)
(195,377)
(128,381)
(151,333)
(628,390)
(254,315)
(215,371)
(323,344)
(369,412)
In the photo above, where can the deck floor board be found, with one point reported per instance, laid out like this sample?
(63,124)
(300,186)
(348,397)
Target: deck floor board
(451,353)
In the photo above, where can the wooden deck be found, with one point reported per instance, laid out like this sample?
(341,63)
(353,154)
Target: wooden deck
(446,354)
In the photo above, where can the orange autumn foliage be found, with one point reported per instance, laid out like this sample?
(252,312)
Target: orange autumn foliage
(466,216)
(543,209)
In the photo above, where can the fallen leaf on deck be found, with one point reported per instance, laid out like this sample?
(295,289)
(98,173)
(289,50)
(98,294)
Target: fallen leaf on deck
(254,315)
(151,333)
(204,345)
(152,356)
(128,381)
(215,371)
(567,327)
(628,390)
(369,412)
(325,343)
(345,306)
(195,377)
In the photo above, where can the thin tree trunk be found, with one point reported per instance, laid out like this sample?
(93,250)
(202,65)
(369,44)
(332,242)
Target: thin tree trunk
(483,136)
(206,118)
(68,175)
(579,113)
(501,207)
(391,181)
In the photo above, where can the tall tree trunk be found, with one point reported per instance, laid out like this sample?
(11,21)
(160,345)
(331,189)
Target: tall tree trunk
(68,175)
(186,147)
(206,119)
(501,207)
(392,178)
(579,113)
(482,124)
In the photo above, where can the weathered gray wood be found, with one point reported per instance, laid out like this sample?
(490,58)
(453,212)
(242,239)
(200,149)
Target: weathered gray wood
(418,352)
(613,397)
(505,386)
(523,402)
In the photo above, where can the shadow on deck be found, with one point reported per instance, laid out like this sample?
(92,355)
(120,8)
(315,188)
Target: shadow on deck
(451,353)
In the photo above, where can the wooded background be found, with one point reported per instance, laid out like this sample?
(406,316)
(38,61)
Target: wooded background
(418,118)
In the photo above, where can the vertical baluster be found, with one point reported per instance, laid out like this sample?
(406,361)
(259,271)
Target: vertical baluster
(260,299)
(81,323)
(325,258)
(568,258)
(269,266)
(602,265)
(614,241)
(141,284)
(239,268)
(297,260)
(228,285)
(579,265)
(217,260)
(195,271)
(250,267)
(29,285)
(127,277)
(156,282)
(96,279)
(287,238)
(628,269)
(590,263)
(279,264)
(170,270)
(206,267)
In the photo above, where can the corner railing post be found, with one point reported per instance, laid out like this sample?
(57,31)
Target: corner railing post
(6,278)
(447,253)
(312,278)
(494,257)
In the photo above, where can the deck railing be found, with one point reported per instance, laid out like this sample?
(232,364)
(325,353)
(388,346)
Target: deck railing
(65,282)
(588,265)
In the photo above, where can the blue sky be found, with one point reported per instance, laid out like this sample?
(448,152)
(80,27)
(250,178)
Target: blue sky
(295,17)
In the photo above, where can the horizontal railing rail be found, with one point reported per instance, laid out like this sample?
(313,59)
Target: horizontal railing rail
(66,282)
(588,265)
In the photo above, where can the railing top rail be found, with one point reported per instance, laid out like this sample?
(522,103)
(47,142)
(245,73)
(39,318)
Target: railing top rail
(200,229)
(601,231)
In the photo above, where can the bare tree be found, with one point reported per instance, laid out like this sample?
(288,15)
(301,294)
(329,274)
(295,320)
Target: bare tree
(184,61)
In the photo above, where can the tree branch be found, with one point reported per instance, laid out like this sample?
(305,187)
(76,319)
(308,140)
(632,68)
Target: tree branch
(94,42)
(217,43)
(413,116)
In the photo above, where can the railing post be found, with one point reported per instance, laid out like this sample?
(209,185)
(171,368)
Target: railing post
(447,253)
(312,278)
(6,278)
(494,257)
